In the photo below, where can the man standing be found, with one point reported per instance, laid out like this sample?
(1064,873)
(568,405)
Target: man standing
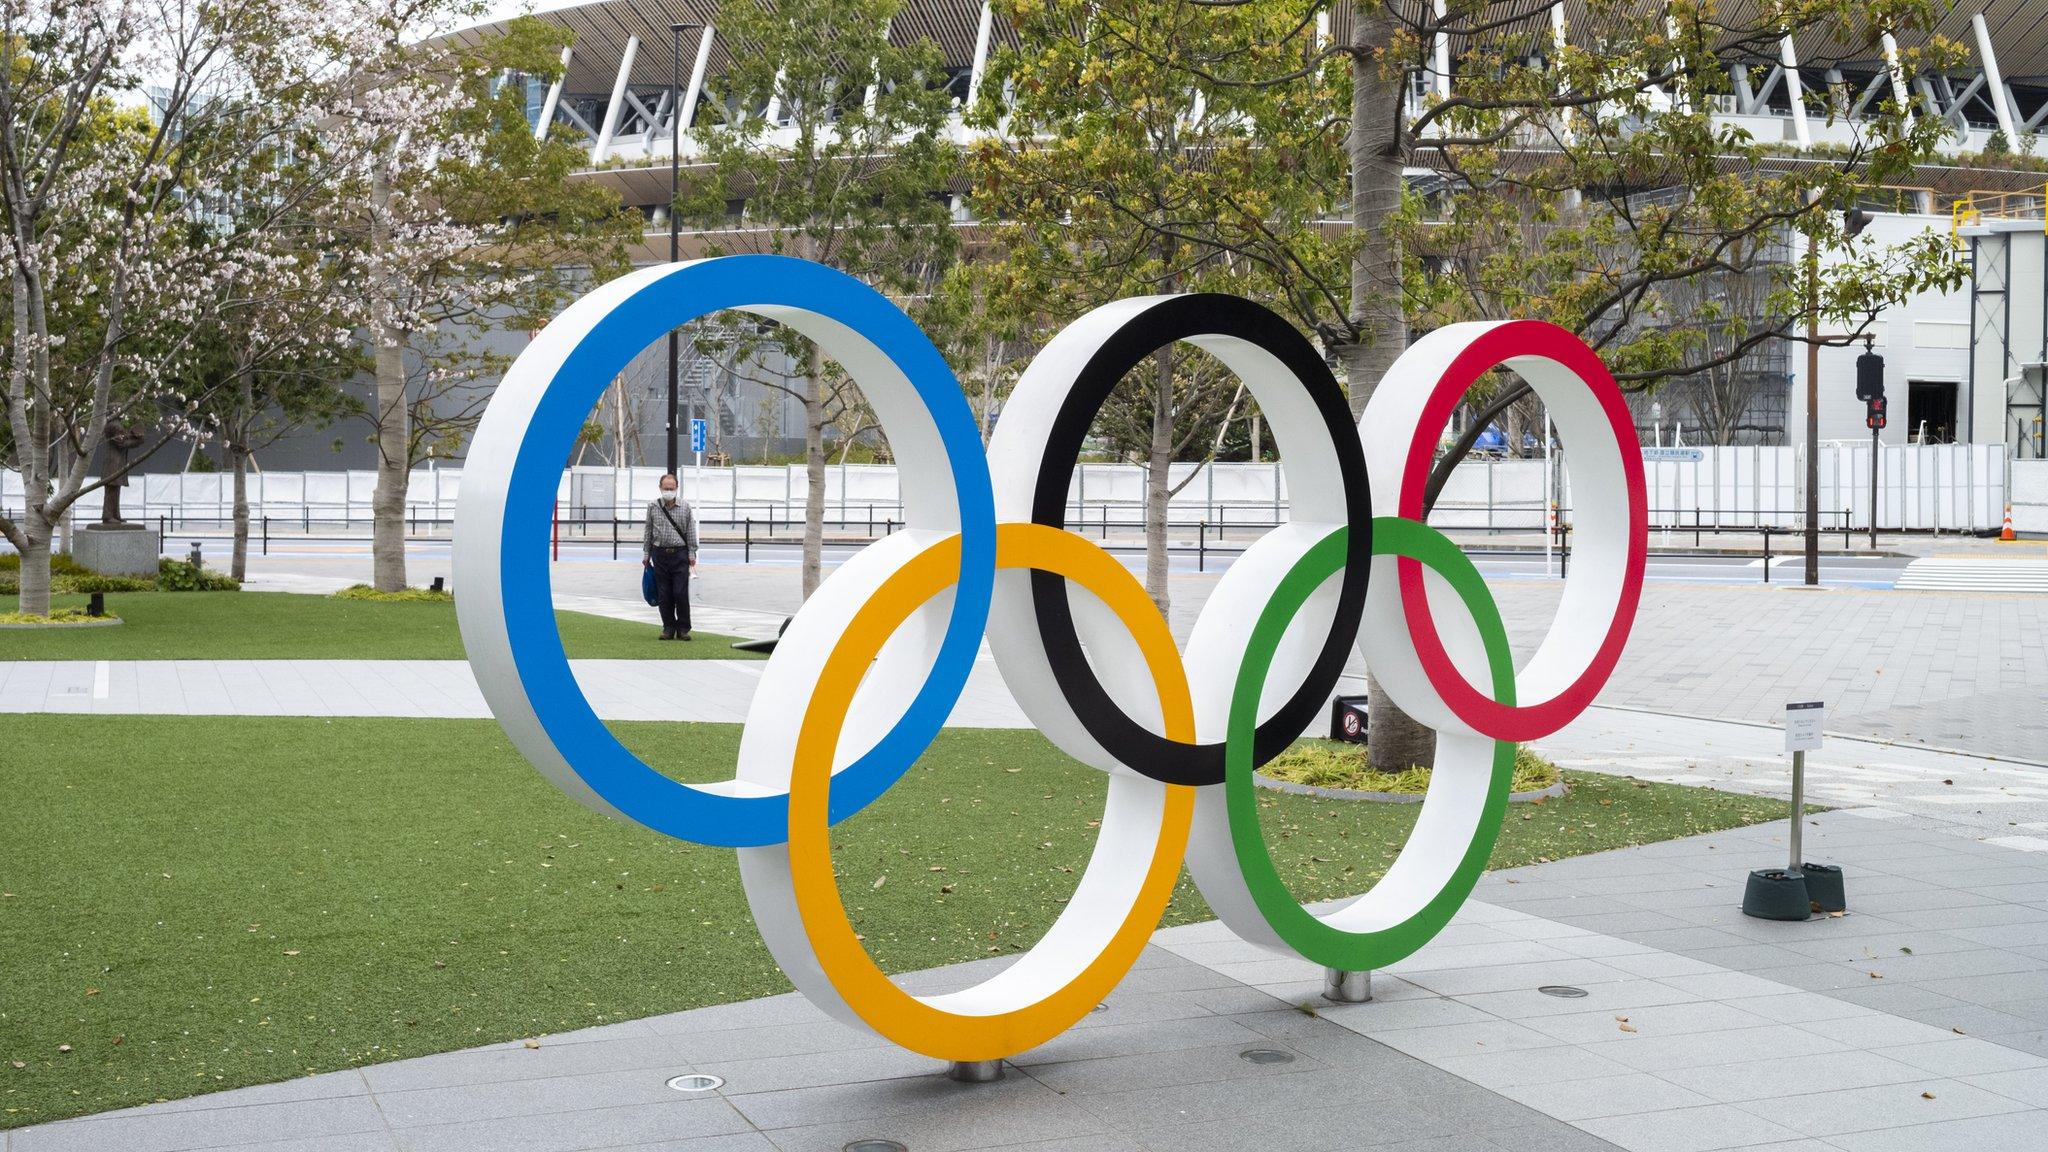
(669,546)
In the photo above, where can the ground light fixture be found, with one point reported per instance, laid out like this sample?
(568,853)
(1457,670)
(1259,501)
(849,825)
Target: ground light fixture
(874,1144)
(866,674)
(1266,1056)
(696,1082)
(1563,991)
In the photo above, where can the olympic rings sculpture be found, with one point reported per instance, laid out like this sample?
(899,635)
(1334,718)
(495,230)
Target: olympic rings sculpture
(878,655)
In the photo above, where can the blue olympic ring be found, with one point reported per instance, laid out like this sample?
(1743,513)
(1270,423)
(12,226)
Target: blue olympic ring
(675,297)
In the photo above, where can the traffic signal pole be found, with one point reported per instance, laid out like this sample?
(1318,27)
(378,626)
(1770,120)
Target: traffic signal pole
(1812,412)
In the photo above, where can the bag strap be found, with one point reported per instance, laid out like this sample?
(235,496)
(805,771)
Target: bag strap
(672,522)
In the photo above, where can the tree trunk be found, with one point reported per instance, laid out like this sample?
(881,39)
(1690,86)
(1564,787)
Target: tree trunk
(394,472)
(35,563)
(239,568)
(393,418)
(814,475)
(1394,741)
(1158,460)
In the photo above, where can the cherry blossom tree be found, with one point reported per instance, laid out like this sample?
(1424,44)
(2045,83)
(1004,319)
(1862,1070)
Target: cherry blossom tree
(125,127)
(455,222)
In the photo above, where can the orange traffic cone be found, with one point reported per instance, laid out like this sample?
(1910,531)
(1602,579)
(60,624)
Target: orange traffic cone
(2006,532)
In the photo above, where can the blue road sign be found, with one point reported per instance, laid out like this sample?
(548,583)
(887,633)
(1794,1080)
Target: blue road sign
(696,435)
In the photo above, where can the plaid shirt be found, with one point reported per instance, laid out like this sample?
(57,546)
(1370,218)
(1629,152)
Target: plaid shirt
(660,533)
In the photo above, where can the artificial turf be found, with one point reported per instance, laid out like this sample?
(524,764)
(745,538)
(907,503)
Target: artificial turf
(189,904)
(290,626)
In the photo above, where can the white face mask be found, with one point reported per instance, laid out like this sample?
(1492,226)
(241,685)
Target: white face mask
(669,495)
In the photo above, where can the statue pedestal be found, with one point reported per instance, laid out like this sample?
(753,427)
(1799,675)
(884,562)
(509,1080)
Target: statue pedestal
(117,549)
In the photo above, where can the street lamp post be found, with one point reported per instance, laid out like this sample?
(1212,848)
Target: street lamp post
(675,171)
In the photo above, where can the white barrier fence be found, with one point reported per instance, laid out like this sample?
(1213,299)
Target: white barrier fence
(2030,496)
(1939,487)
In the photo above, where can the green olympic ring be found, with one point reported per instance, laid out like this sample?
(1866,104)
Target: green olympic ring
(1311,937)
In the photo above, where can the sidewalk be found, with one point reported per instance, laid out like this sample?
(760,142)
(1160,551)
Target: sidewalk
(1915,1023)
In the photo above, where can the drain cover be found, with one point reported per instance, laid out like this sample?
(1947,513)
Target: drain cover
(1266,1056)
(695,1082)
(874,1145)
(1563,991)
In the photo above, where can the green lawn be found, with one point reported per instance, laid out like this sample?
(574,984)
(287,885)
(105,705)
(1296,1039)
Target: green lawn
(199,903)
(288,626)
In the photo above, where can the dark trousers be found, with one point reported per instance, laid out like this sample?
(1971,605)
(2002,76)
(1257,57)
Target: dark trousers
(672,585)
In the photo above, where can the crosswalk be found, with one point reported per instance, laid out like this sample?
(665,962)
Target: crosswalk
(1972,575)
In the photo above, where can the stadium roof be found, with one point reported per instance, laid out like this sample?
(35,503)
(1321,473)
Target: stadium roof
(2019,33)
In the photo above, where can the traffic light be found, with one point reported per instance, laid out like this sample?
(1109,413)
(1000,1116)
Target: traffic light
(1873,412)
(1869,376)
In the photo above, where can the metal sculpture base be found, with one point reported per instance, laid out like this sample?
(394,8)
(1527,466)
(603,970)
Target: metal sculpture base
(975,1071)
(1347,987)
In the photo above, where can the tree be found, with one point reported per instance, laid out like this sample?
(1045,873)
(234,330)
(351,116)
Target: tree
(282,346)
(114,258)
(830,138)
(1112,171)
(1546,148)
(456,220)
(977,317)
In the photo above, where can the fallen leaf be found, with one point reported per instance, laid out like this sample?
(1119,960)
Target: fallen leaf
(944,888)
(1836,915)
(1944,782)
(881,880)
(291,951)
(533,1043)
(19,1063)
(1628,1027)
(1927,1095)
(1906,950)
(92,991)
(63,1047)
(1877,975)
(1959,1031)
(118,1040)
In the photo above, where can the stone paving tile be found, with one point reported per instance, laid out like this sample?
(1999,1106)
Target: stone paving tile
(2029,1086)
(580,1130)
(1700,1129)
(1838,1111)
(1147,1037)
(1504,1070)
(1605,1096)
(1151,1070)
(1621,1026)
(516,1064)
(1768,1079)
(141,1130)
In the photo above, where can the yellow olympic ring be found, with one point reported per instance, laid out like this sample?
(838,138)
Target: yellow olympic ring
(932,1025)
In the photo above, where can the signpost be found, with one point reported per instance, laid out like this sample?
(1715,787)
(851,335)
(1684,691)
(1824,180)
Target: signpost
(1802,735)
(1795,891)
